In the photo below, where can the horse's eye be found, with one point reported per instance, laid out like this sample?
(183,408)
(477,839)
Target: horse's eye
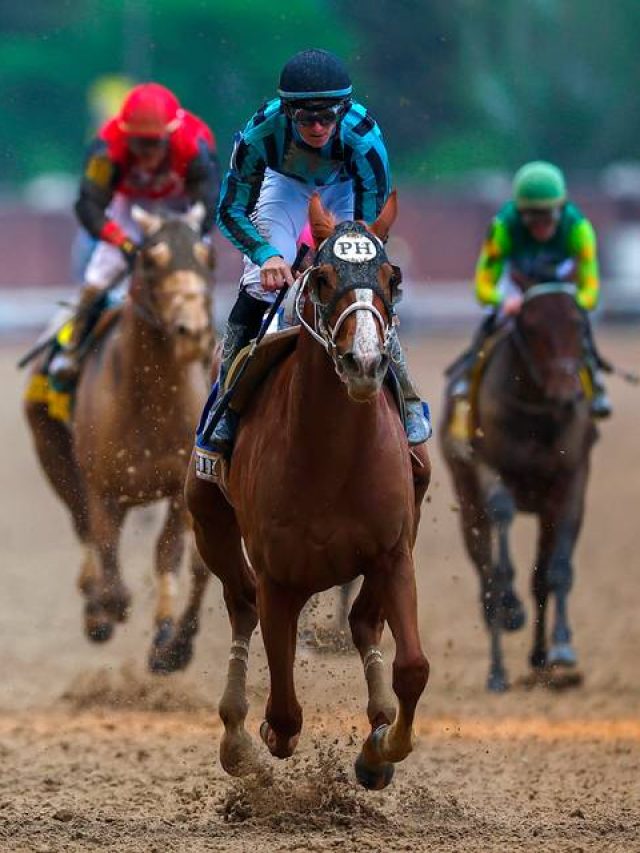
(321,281)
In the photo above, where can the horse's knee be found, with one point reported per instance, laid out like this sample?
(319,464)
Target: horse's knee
(500,506)
(560,576)
(410,678)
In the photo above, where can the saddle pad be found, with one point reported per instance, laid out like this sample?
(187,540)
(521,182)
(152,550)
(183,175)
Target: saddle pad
(271,350)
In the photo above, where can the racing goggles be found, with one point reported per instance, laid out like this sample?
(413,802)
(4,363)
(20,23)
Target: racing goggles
(322,115)
(540,215)
(141,145)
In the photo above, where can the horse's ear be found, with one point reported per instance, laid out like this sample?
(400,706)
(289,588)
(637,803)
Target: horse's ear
(386,217)
(148,222)
(194,217)
(322,223)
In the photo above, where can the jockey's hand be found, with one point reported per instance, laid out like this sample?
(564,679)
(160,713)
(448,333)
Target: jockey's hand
(275,273)
(512,305)
(129,250)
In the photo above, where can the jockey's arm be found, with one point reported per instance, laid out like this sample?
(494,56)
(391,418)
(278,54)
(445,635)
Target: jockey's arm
(238,195)
(96,191)
(583,248)
(493,254)
(202,183)
(368,166)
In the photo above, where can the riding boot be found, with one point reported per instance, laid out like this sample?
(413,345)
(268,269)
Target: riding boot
(65,365)
(600,403)
(243,325)
(417,415)
(463,367)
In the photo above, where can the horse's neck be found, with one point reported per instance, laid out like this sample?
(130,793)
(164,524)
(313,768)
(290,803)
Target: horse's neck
(512,374)
(321,414)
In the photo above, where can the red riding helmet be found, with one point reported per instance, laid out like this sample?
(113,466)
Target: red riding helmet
(150,110)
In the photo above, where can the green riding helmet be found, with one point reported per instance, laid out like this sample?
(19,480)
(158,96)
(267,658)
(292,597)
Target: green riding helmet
(539,184)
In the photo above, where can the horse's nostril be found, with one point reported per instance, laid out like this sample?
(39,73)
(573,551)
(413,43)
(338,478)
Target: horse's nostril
(350,363)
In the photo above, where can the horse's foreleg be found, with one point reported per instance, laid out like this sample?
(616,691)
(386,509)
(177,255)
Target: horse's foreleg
(169,552)
(367,623)
(177,652)
(390,744)
(107,598)
(279,610)
(563,520)
(219,543)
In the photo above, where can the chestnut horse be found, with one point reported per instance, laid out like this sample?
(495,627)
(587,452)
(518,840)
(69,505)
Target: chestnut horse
(137,402)
(530,451)
(323,491)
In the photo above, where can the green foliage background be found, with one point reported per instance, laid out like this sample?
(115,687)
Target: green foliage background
(456,84)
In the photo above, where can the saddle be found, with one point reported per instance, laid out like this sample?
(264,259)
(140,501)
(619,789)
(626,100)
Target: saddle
(59,396)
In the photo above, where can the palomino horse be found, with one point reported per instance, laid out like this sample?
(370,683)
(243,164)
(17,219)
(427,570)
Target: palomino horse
(137,402)
(323,491)
(530,451)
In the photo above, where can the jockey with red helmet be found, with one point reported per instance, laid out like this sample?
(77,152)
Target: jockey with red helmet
(153,154)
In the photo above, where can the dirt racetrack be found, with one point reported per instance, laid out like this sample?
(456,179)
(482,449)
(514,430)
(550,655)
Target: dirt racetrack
(96,754)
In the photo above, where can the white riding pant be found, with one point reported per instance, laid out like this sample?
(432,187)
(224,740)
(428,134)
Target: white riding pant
(280,215)
(107,261)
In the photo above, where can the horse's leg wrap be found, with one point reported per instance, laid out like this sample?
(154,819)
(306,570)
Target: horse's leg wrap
(381,707)
(237,752)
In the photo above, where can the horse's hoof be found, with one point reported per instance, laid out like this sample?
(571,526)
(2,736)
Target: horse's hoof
(278,747)
(514,615)
(172,657)
(238,754)
(99,632)
(373,778)
(562,654)
(538,659)
(164,632)
(497,683)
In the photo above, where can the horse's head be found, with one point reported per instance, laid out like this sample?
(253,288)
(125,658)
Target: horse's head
(171,284)
(353,288)
(550,335)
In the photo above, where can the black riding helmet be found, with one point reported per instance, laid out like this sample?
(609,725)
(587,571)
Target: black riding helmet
(315,79)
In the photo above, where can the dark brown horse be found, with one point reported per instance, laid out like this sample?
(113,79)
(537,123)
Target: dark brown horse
(137,403)
(323,491)
(532,440)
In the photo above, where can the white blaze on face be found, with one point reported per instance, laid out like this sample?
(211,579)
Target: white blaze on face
(366,346)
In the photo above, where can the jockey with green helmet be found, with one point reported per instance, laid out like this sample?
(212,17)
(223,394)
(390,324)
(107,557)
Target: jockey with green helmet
(544,238)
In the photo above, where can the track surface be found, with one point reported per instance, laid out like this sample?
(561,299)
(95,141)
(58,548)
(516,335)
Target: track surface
(97,755)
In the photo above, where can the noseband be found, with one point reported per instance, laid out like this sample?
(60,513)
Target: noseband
(357,255)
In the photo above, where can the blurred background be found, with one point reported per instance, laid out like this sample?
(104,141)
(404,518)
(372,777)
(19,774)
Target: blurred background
(465,91)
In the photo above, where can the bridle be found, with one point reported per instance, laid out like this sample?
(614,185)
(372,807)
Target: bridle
(517,335)
(144,295)
(322,331)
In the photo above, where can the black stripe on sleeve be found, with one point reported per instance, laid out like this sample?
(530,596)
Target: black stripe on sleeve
(377,166)
(271,150)
(248,243)
(364,126)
